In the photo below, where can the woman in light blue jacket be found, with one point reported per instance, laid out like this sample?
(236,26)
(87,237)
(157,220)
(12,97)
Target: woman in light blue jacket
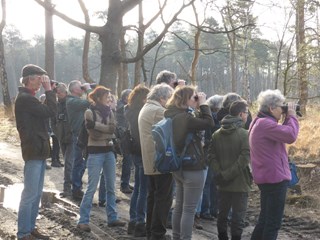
(269,159)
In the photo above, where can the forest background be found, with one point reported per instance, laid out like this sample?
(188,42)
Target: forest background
(220,46)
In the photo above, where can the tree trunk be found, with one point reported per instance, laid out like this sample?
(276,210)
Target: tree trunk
(301,56)
(49,42)
(3,73)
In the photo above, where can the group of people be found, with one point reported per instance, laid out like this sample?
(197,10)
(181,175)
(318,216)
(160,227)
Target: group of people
(229,150)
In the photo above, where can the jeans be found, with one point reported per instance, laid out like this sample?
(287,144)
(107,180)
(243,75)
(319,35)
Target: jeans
(138,203)
(272,201)
(95,163)
(238,201)
(126,170)
(30,198)
(67,152)
(159,201)
(210,196)
(78,166)
(189,186)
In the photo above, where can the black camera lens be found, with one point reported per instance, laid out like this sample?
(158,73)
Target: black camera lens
(297,109)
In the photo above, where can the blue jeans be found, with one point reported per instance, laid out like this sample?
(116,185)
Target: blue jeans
(67,152)
(78,166)
(272,201)
(30,197)
(95,163)
(138,203)
(210,196)
(126,170)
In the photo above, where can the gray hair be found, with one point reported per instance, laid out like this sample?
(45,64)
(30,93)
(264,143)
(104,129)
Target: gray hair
(165,76)
(270,98)
(159,91)
(230,98)
(215,102)
(72,85)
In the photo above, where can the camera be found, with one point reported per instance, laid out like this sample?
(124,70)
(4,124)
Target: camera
(92,85)
(54,83)
(297,109)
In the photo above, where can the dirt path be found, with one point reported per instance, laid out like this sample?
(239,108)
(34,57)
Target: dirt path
(58,217)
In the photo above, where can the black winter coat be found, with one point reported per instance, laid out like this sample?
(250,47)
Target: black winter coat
(31,116)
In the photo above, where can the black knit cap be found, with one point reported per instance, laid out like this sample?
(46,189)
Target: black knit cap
(31,69)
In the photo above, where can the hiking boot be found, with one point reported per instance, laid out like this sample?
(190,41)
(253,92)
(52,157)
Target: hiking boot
(197,223)
(131,187)
(206,216)
(77,195)
(84,227)
(38,235)
(28,237)
(56,164)
(131,226)
(126,190)
(102,203)
(116,223)
(140,230)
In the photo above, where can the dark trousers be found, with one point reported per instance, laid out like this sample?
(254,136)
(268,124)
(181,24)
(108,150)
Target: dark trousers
(272,201)
(55,149)
(159,202)
(238,201)
(209,203)
(126,170)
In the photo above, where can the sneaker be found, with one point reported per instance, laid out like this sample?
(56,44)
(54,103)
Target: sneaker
(126,190)
(140,230)
(28,237)
(131,226)
(84,227)
(77,195)
(116,223)
(38,235)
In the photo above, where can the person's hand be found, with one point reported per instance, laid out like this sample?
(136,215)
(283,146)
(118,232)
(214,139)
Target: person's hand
(181,82)
(45,81)
(291,109)
(90,124)
(202,97)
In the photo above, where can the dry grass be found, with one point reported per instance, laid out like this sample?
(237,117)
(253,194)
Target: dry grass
(8,131)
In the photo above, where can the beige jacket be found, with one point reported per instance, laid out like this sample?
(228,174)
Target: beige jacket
(151,113)
(102,134)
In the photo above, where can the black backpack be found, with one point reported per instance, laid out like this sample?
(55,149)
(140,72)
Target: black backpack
(83,136)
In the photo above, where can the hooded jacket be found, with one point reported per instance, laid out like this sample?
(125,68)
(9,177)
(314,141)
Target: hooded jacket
(183,122)
(269,158)
(229,155)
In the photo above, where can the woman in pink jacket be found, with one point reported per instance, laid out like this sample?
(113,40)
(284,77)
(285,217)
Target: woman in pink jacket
(269,159)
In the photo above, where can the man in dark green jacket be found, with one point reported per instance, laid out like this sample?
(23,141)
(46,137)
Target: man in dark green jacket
(229,157)
(31,117)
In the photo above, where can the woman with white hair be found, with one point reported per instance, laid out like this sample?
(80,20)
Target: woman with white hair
(269,159)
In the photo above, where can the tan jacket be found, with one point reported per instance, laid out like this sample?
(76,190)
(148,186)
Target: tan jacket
(102,134)
(151,113)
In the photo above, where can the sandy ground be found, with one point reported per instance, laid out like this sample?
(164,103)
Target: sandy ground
(58,217)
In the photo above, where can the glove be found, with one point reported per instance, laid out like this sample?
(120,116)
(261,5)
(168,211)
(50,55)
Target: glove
(90,124)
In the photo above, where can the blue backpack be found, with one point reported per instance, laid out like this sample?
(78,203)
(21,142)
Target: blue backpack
(167,160)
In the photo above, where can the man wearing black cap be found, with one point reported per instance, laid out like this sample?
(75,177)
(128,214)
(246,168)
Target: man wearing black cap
(31,116)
